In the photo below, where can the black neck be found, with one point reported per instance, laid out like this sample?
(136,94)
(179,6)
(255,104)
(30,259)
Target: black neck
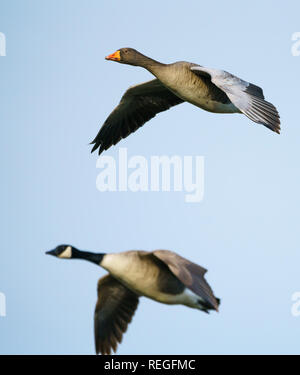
(86,255)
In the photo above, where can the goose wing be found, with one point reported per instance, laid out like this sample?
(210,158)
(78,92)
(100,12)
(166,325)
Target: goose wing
(248,98)
(138,105)
(115,308)
(190,274)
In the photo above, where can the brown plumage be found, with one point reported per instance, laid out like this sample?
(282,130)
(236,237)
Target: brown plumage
(138,105)
(114,310)
(210,89)
(190,274)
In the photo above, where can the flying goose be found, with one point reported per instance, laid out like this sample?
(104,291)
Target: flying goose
(210,89)
(161,275)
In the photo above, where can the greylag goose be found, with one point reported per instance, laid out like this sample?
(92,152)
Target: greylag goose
(210,89)
(161,275)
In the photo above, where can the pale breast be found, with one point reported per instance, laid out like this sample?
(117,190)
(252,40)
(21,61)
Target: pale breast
(131,269)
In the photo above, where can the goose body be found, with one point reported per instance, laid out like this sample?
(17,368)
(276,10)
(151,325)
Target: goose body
(213,90)
(146,275)
(161,275)
(184,83)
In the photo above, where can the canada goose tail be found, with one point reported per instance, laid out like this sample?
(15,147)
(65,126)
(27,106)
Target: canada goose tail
(218,302)
(206,306)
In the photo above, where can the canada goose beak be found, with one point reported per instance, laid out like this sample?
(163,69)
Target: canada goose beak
(114,56)
(51,252)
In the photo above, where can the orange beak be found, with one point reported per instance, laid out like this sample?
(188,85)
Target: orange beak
(114,56)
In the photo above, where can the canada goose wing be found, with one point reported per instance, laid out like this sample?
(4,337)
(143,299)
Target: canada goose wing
(190,274)
(138,105)
(115,308)
(248,98)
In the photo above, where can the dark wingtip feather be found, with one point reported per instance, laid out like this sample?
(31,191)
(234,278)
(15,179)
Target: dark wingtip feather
(94,148)
(215,303)
(212,304)
(97,144)
(272,125)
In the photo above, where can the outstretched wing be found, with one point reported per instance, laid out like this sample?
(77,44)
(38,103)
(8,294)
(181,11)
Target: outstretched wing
(138,105)
(115,308)
(190,274)
(248,98)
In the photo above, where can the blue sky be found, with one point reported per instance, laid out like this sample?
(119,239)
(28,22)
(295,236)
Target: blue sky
(57,89)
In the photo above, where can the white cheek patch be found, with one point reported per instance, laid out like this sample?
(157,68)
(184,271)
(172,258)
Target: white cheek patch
(67,253)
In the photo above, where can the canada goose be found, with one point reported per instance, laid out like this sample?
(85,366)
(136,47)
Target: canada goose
(161,275)
(210,89)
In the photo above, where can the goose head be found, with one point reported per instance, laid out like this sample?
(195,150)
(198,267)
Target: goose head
(62,251)
(70,252)
(128,56)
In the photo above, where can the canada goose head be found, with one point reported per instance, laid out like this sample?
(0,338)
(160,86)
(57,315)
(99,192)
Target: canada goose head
(129,56)
(70,252)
